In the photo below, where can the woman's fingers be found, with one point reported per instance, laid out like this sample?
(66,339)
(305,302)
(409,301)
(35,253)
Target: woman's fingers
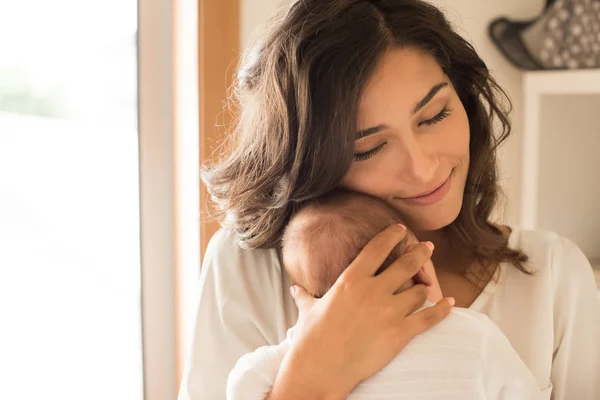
(376,251)
(422,277)
(421,321)
(406,266)
(410,300)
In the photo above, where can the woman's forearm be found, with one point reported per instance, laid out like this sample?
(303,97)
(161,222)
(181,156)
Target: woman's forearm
(297,381)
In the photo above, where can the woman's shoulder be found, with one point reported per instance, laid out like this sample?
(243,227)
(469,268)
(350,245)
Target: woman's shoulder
(224,246)
(228,264)
(553,256)
(558,305)
(558,273)
(535,311)
(536,239)
(247,281)
(227,259)
(243,304)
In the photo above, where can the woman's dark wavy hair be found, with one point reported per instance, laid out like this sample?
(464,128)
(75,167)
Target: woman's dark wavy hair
(297,96)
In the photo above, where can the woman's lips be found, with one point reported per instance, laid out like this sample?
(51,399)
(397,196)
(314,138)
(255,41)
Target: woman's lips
(433,197)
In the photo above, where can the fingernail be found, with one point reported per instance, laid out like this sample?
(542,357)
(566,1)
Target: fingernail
(430,246)
(451,301)
(293,291)
(402,226)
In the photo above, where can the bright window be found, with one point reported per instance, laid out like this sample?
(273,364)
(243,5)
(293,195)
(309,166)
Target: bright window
(69,201)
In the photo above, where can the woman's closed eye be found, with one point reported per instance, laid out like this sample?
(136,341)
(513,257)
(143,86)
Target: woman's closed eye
(438,118)
(368,154)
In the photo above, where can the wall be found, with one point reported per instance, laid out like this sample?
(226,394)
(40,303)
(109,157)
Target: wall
(253,14)
(569,161)
(471,18)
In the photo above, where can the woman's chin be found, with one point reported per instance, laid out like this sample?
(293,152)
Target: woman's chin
(431,225)
(433,220)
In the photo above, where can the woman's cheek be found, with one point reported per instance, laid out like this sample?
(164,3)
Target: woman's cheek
(455,137)
(368,176)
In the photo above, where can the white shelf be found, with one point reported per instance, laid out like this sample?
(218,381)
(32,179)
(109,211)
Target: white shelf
(537,84)
(585,81)
(561,156)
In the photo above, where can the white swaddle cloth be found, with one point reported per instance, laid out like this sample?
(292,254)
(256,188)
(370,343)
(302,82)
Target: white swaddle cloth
(464,357)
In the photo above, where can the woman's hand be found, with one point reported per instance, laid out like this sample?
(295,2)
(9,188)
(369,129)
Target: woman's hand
(360,325)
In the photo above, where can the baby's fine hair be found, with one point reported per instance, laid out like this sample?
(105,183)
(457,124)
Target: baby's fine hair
(326,235)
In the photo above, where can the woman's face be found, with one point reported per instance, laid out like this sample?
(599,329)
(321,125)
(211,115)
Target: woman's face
(414,149)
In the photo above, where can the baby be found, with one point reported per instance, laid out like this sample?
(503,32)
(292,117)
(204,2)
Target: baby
(465,356)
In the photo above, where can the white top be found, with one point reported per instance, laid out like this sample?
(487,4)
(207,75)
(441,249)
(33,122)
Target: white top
(552,318)
(464,357)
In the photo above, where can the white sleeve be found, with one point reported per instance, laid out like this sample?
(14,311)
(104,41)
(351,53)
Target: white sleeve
(242,306)
(254,374)
(576,362)
(505,375)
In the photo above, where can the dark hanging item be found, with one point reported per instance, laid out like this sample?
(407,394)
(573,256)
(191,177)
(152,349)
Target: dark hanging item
(565,36)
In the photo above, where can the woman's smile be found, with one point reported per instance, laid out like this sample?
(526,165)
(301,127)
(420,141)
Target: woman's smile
(430,197)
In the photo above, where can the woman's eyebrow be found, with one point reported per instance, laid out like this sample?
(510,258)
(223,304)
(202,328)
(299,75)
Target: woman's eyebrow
(434,90)
(371,131)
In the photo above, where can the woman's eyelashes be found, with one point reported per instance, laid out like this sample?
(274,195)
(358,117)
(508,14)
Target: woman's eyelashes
(368,154)
(438,118)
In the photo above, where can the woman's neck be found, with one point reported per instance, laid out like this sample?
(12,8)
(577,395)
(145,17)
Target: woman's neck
(443,254)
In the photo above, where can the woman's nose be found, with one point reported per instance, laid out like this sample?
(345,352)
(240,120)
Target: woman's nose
(419,161)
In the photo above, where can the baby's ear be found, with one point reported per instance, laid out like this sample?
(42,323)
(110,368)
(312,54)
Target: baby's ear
(409,241)
(401,248)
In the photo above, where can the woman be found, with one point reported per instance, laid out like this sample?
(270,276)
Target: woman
(383,98)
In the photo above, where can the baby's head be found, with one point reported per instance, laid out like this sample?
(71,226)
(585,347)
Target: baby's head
(327,234)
